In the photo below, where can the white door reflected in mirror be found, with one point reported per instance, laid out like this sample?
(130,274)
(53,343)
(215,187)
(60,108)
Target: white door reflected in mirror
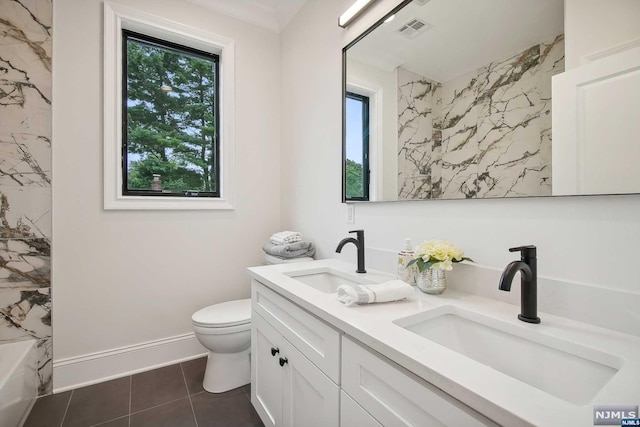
(600,144)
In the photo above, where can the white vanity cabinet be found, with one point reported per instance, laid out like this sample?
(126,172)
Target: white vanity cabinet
(307,373)
(287,388)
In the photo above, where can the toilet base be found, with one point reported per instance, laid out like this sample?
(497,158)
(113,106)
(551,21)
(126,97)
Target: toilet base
(226,371)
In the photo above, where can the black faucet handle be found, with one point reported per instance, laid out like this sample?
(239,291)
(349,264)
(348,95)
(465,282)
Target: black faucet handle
(526,252)
(360,232)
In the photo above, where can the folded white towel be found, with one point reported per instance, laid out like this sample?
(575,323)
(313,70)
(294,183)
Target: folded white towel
(392,290)
(271,259)
(284,237)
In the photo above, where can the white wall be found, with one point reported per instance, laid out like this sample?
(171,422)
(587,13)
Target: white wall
(595,25)
(592,240)
(127,277)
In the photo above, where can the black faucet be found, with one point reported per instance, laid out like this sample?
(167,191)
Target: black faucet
(528,268)
(359,242)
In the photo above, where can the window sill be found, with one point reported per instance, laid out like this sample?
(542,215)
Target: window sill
(166,203)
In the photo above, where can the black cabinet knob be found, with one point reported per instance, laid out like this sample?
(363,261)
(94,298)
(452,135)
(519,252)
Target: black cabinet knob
(283,361)
(274,351)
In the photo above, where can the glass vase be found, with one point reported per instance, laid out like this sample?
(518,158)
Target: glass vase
(432,281)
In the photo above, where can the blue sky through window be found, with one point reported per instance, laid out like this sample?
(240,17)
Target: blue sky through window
(354,143)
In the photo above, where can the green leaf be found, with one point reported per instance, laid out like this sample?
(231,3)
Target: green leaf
(354,179)
(423,265)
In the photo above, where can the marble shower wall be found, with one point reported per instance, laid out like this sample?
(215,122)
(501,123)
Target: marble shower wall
(419,136)
(483,134)
(25,177)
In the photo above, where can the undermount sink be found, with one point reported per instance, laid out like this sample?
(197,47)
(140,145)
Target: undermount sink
(326,279)
(566,370)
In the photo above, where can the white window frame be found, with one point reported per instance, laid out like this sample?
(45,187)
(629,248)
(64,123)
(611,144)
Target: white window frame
(117,17)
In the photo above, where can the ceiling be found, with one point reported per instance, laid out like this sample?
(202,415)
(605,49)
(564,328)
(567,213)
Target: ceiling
(461,35)
(273,15)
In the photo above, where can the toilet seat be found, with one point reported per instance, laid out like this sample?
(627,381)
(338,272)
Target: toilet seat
(224,315)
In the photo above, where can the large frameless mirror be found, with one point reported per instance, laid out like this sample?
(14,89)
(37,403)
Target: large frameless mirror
(451,99)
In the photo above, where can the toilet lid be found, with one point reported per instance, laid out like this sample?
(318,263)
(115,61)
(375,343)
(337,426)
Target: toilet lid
(230,313)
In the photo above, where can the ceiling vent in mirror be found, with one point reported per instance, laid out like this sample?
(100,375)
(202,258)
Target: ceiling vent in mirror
(413,28)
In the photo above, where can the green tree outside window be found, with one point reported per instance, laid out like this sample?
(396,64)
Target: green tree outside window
(170,116)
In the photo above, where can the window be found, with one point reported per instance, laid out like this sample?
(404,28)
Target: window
(169,113)
(169,119)
(357,147)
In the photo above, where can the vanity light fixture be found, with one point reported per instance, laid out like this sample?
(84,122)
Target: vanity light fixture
(389,19)
(353,11)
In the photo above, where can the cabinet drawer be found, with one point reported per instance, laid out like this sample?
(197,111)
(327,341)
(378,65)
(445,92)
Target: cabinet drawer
(316,340)
(396,397)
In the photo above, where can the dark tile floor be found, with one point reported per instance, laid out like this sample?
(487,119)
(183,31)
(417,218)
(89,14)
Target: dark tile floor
(166,397)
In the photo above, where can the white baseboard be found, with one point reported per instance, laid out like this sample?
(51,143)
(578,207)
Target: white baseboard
(106,365)
(27,412)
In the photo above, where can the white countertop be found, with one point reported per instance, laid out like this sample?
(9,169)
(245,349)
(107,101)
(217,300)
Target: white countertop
(498,396)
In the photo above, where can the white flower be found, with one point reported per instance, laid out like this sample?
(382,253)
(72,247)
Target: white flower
(439,253)
(445,265)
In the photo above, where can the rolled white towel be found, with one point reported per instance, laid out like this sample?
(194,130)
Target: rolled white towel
(284,237)
(392,290)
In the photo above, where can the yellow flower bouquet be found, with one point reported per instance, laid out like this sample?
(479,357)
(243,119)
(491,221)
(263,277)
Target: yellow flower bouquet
(437,254)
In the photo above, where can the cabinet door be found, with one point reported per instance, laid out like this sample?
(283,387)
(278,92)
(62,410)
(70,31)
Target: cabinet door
(266,373)
(353,415)
(310,398)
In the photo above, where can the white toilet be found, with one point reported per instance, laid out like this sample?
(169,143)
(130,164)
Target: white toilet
(225,330)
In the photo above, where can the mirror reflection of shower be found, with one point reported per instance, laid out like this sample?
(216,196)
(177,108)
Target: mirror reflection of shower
(471,113)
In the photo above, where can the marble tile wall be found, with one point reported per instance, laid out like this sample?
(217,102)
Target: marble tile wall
(483,134)
(25,177)
(419,138)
